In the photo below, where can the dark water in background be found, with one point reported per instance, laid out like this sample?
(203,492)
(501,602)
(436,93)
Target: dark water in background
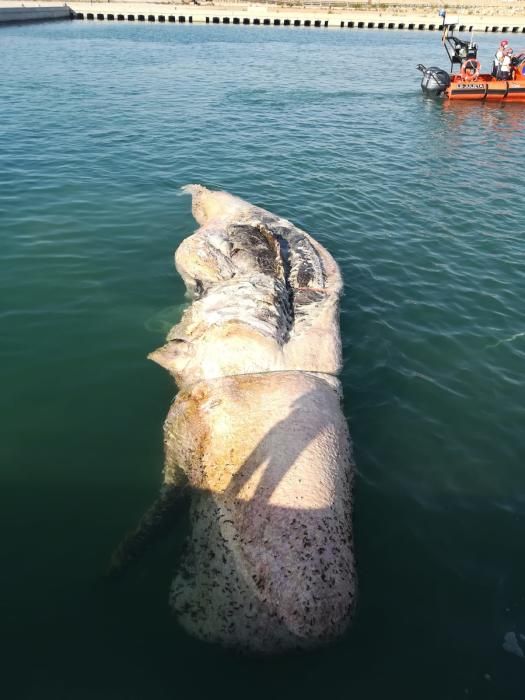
(422,205)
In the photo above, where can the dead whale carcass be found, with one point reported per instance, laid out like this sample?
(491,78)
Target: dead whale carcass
(256,433)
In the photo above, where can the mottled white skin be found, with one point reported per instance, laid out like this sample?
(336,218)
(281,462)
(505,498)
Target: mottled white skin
(258,433)
(269,565)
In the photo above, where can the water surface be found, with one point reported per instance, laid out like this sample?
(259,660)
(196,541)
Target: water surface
(420,202)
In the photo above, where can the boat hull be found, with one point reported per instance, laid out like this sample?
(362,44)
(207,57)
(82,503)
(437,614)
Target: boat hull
(486,88)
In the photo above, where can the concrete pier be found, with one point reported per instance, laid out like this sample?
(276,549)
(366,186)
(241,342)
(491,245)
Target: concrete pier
(34,13)
(413,17)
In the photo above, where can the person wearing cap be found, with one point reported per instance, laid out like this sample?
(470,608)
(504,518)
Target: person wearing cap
(498,58)
(506,65)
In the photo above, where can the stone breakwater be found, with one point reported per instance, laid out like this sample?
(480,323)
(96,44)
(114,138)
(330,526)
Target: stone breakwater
(498,18)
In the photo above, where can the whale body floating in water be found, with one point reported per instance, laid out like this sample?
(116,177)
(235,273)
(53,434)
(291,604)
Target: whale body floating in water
(256,435)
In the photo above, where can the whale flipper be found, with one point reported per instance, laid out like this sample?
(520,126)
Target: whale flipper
(154,525)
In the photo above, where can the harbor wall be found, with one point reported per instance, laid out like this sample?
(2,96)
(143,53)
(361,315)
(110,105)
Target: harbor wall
(423,17)
(34,13)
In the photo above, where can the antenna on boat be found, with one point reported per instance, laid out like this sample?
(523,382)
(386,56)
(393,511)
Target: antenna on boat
(443,15)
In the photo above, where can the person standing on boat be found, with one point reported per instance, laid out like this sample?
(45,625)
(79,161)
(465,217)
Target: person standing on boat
(498,59)
(506,65)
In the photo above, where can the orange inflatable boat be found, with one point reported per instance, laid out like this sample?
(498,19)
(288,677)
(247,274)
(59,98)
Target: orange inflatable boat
(470,83)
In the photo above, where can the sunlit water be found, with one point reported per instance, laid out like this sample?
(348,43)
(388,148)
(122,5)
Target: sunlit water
(422,205)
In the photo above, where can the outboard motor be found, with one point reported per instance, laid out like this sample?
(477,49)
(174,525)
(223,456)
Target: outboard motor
(434,81)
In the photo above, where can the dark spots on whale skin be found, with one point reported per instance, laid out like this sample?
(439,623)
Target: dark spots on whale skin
(221,602)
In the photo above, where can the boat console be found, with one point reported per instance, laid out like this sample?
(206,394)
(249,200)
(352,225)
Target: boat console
(458,49)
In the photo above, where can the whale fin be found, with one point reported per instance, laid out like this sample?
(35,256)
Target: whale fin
(155,524)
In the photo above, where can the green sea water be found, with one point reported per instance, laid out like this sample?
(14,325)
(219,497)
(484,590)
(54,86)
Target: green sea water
(422,205)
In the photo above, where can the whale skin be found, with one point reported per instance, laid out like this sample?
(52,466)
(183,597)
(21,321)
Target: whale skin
(256,434)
